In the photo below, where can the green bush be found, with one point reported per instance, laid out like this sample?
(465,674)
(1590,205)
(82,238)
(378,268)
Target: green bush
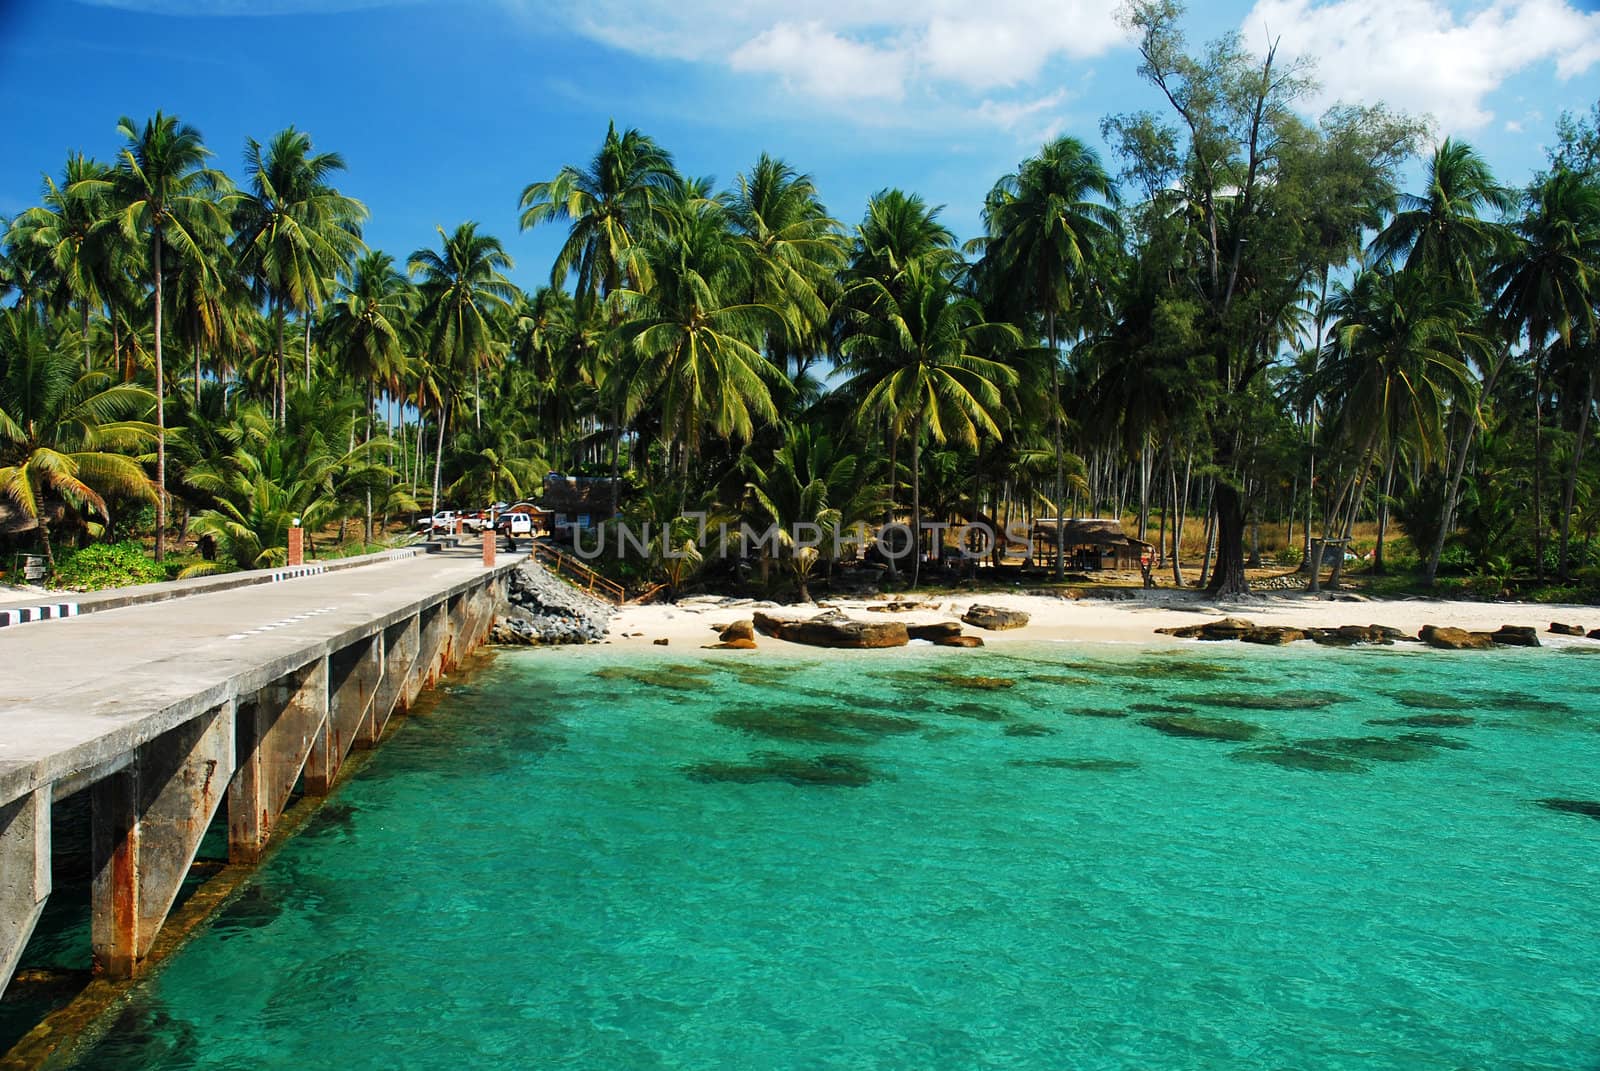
(105,565)
(1289,556)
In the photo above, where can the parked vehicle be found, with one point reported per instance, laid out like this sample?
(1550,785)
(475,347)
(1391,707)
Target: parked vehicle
(516,525)
(443,521)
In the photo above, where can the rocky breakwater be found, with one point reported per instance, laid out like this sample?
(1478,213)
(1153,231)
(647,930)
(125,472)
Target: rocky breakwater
(541,608)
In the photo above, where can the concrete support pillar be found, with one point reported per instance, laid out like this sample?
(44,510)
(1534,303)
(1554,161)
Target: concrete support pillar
(148,820)
(24,874)
(455,645)
(353,676)
(297,545)
(399,656)
(277,730)
(433,628)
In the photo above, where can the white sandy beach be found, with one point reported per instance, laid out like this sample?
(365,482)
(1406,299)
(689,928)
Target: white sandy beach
(689,624)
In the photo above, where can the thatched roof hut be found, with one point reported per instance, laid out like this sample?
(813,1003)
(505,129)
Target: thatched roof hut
(1094,542)
(577,500)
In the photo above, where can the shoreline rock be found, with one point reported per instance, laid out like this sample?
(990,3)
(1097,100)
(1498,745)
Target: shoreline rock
(541,608)
(833,629)
(994,618)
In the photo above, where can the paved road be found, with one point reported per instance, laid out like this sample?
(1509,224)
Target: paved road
(74,691)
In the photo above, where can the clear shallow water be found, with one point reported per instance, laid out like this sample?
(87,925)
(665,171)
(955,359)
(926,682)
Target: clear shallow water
(578,860)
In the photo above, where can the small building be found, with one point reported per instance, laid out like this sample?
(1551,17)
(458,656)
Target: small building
(1090,542)
(576,503)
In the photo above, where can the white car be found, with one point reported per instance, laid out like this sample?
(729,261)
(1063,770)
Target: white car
(443,521)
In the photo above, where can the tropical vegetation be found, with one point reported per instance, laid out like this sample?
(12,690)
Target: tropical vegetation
(1270,330)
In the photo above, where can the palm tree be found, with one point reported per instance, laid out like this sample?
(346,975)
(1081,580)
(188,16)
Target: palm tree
(294,232)
(1443,231)
(65,433)
(65,230)
(612,205)
(167,197)
(1047,228)
(796,250)
(1548,285)
(691,339)
(464,295)
(1394,368)
(368,325)
(913,356)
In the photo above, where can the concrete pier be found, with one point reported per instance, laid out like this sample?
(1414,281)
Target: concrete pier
(168,711)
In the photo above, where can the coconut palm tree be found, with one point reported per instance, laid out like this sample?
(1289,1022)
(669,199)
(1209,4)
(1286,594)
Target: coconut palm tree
(796,250)
(1444,231)
(166,197)
(294,232)
(1548,285)
(66,231)
(65,433)
(691,340)
(612,205)
(1048,227)
(368,326)
(464,297)
(1396,364)
(915,355)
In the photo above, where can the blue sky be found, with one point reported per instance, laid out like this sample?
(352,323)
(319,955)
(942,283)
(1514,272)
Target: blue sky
(445,109)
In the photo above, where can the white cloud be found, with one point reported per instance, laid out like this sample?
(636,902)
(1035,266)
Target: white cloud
(1421,55)
(1033,120)
(1513,127)
(813,59)
(844,50)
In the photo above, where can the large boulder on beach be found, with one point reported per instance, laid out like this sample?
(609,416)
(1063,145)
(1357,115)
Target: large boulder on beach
(1455,639)
(1226,628)
(833,629)
(1515,636)
(739,630)
(994,618)
(1558,629)
(935,631)
(1272,635)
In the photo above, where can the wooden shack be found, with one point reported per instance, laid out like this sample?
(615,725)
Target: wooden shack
(576,502)
(1090,542)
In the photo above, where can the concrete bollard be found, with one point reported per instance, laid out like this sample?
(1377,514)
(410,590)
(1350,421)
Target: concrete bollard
(297,546)
(488,548)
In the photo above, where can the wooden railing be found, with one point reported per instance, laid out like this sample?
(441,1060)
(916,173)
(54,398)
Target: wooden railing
(580,574)
(648,595)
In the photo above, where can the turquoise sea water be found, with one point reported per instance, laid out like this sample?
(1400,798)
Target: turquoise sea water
(1050,856)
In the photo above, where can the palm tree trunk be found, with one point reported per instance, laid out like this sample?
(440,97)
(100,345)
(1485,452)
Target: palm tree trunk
(1569,491)
(894,487)
(88,353)
(1055,417)
(916,502)
(197,375)
(279,403)
(372,402)
(1538,465)
(161,410)
(1383,513)
(438,454)
(308,349)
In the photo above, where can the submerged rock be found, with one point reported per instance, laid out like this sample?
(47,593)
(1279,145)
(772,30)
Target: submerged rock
(1449,743)
(1427,721)
(1271,700)
(1431,701)
(739,644)
(814,724)
(1587,808)
(677,678)
(1028,728)
(1375,748)
(833,629)
(994,618)
(959,641)
(974,712)
(1292,757)
(1159,708)
(1203,728)
(1095,712)
(1227,628)
(1103,765)
(824,771)
(972,683)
